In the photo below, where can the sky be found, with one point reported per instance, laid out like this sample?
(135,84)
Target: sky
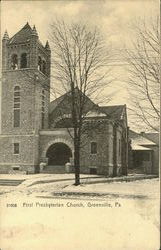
(113,18)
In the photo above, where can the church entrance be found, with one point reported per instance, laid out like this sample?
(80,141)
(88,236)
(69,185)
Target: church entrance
(58,154)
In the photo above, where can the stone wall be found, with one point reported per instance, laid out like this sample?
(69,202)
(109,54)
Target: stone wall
(26,160)
(98,132)
(47,138)
(30,101)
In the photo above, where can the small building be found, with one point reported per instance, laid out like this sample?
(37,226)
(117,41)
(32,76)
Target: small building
(144,152)
(36,134)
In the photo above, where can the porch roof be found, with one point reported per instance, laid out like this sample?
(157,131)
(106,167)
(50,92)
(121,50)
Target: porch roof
(140,148)
(138,139)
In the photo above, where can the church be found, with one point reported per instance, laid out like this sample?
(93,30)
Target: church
(34,134)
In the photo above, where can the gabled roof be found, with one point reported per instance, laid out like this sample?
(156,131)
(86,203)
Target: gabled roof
(56,102)
(22,35)
(139,142)
(114,112)
(139,139)
(153,137)
(138,148)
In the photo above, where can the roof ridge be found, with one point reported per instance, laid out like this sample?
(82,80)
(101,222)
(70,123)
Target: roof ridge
(69,91)
(20,35)
(57,101)
(61,96)
(138,135)
(26,26)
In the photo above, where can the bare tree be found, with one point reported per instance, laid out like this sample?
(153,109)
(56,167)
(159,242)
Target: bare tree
(79,67)
(144,74)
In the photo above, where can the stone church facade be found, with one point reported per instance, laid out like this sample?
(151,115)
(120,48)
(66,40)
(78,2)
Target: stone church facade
(32,129)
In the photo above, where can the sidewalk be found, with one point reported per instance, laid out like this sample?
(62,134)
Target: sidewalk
(30,180)
(86,179)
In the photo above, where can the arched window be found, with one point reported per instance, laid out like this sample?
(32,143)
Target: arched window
(44,66)
(64,123)
(17,88)
(39,63)
(24,60)
(14,62)
(43,109)
(93,148)
(16,107)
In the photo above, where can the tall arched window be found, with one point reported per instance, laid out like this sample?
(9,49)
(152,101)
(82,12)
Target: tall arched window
(44,66)
(23,61)
(93,148)
(43,109)
(14,62)
(39,63)
(16,107)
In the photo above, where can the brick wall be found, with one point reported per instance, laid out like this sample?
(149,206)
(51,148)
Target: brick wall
(27,158)
(98,132)
(30,96)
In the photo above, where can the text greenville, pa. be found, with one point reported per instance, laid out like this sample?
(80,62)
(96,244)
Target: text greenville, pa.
(68,204)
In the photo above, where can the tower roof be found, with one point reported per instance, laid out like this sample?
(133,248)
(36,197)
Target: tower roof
(34,31)
(47,45)
(23,35)
(6,36)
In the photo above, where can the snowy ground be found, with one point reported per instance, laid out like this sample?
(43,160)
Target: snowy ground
(124,216)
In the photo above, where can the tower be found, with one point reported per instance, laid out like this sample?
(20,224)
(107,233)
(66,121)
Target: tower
(25,98)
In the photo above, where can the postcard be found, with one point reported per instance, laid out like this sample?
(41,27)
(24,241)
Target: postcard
(79,125)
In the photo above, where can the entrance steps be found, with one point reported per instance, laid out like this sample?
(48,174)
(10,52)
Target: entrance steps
(54,170)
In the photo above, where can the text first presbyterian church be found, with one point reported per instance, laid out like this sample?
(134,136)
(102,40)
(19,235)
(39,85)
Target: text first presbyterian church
(32,129)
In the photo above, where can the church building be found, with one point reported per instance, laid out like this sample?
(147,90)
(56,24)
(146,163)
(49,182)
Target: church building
(35,134)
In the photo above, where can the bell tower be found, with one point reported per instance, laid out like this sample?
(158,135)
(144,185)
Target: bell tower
(25,96)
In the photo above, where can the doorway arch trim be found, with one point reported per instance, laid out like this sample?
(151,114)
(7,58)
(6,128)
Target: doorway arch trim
(58,140)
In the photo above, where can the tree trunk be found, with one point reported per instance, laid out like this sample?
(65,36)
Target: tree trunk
(77,163)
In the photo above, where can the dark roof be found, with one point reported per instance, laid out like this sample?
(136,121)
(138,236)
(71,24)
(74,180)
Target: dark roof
(114,112)
(22,35)
(153,137)
(138,139)
(89,104)
(56,102)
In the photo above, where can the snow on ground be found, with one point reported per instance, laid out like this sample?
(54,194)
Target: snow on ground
(139,187)
(41,176)
(124,222)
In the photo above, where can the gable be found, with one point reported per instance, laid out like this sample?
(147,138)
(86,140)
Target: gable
(64,101)
(154,137)
(139,142)
(22,35)
(62,105)
(115,112)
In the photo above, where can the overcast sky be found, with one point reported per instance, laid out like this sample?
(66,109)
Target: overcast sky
(113,18)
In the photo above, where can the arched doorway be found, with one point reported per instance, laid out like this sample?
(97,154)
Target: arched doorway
(58,154)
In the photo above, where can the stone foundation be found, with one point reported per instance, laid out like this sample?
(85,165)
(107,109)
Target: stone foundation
(15,169)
